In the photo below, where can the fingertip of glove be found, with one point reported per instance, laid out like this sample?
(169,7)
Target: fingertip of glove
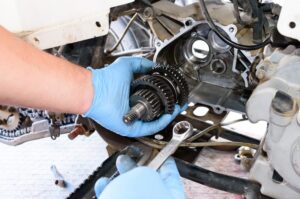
(124,163)
(184,107)
(176,111)
(146,62)
(141,65)
(100,185)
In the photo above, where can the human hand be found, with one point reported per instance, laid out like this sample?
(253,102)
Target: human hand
(141,182)
(111,98)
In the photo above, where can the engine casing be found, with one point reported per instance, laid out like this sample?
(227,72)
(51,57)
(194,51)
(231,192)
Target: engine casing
(276,100)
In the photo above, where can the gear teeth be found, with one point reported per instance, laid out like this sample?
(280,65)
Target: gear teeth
(148,96)
(161,87)
(20,129)
(175,75)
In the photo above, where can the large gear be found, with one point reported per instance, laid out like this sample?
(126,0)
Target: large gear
(164,85)
(178,80)
(160,86)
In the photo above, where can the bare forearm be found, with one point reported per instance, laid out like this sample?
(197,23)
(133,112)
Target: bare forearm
(33,78)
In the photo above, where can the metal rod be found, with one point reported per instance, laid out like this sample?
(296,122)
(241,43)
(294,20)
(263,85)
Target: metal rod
(133,51)
(158,144)
(123,34)
(210,128)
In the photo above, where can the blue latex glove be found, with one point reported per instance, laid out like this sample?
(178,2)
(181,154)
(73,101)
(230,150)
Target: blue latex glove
(141,182)
(111,98)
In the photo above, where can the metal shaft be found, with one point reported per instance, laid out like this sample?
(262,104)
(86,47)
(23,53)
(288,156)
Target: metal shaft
(136,112)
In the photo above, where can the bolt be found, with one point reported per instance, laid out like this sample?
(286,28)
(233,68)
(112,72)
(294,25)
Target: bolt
(78,130)
(148,12)
(200,49)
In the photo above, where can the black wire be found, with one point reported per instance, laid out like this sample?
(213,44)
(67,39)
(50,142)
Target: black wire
(224,38)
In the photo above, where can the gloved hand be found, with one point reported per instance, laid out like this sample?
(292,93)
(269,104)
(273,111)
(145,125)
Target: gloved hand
(111,98)
(141,182)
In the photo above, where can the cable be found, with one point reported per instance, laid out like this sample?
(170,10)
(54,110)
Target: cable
(224,38)
(123,34)
(210,128)
(158,144)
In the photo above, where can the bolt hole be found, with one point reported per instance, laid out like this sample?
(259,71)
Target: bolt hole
(159,137)
(188,22)
(292,24)
(200,111)
(98,24)
(36,40)
(277,177)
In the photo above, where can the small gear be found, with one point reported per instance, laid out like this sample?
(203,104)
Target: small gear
(150,100)
(181,86)
(160,86)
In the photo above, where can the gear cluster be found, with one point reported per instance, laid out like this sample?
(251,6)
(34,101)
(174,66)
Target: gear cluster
(156,93)
(16,121)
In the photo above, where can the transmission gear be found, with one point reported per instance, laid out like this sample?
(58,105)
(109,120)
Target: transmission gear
(160,87)
(178,81)
(156,93)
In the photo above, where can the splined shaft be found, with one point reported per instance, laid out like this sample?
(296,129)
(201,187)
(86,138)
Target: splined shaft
(156,93)
(136,112)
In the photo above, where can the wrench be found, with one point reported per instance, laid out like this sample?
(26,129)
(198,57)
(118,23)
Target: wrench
(181,131)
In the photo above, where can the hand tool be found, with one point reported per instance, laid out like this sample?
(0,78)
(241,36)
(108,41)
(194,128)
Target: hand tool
(181,131)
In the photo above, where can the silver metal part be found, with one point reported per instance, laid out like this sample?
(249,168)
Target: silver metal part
(181,131)
(276,100)
(31,124)
(58,178)
(135,113)
(217,43)
(214,69)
